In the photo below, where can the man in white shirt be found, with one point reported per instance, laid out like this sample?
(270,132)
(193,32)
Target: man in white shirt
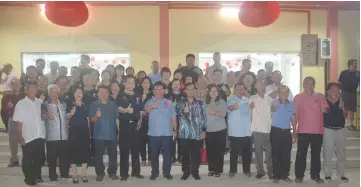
(261,127)
(217,65)
(31,131)
(272,90)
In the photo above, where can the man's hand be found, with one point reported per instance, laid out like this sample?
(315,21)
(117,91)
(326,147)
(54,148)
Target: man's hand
(130,110)
(21,141)
(73,110)
(203,135)
(175,135)
(186,109)
(155,104)
(294,136)
(251,105)
(98,113)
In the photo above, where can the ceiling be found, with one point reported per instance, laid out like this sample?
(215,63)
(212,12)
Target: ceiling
(341,5)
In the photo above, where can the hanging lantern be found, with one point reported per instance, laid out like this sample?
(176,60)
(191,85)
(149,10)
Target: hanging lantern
(239,59)
(67,13)
(228,62)
(91,65)
(124,61)
(92,58)
(249,57)
(258,13)
(259,63)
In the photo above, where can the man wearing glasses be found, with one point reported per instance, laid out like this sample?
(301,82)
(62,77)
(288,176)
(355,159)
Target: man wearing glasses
(162,130)
(192,130)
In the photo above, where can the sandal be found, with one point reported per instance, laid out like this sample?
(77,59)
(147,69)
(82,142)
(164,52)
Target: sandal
(76,180)
(84,179)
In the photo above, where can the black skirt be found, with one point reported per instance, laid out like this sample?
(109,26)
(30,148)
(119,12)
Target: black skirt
(79,143)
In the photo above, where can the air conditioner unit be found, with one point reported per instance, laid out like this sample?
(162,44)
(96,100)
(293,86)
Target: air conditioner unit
(324,48)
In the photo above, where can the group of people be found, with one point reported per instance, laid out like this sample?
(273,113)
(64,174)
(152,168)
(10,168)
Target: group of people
(145,115)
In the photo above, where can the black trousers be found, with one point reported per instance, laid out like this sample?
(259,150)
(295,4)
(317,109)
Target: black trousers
(32,159)
(58,150)
(144,140)
(243,144)
(304,140)
(216,146)
(191,156)
(5,117)
(281,144)
(128,143)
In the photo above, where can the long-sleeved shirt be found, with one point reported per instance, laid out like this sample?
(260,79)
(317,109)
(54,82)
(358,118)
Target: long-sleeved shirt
(216,123)
(193,123)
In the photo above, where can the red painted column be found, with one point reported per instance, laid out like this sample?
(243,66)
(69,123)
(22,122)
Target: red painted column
(332,32)
(164,35)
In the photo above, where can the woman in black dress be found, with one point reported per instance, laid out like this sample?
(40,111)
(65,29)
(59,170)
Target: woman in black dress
(79,135)
(145,91)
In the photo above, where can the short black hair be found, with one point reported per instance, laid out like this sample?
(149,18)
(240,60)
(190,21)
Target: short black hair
(238,84)
(332,84)
(60,77)
(189,84)
(190,56)
(102,86)
(74,67)
(217,70)
(119,66)
(128,77)
(106,71)
(216,53)
(261,70)
(246,61)
(31,67)
(159,83)
(39,60)
(128,68)
(177,71)
(165,70)
(350,62)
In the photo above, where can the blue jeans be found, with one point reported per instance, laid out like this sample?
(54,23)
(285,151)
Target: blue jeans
(164,143)
(111,146)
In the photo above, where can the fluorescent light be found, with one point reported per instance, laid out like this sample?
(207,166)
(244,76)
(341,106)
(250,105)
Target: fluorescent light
(229,12)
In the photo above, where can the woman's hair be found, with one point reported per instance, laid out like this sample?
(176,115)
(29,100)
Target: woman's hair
(170,89)
(253,85)
(141,82)
(72,92)
(330,85)
(97,72)
(106,71)
(208,97)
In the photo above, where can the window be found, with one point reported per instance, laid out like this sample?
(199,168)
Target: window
(98,61)
(287,63)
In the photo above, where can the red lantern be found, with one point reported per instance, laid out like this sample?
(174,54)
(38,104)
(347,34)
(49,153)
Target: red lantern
(92,58)
(228,62)
(249,57)
(67,13)
(298,54)
(91,65)
(124,61)
(258,13)
(114,62)
(259,63)
(239,60)
(105,61)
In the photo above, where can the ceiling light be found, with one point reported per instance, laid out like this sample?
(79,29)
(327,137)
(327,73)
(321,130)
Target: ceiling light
(229,12)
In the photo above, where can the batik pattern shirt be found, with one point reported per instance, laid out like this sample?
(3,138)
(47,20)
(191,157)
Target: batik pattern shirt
(193,123)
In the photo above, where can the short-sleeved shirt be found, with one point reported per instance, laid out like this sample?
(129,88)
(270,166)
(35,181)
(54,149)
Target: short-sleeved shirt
(308,112)
(282,116)
(105,128)
(349,80)
(261,113)
(239,121)
(161,118)
(28,113)
(222,68)
(125,100)
(6,80)
(89,97)
(191,72)
(155,77)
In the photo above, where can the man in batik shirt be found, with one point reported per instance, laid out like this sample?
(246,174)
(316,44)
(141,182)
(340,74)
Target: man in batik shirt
(192,130)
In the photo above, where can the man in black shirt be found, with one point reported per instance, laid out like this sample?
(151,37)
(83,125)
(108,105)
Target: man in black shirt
(191,69)
(350,80)
(130,106)
(84,65)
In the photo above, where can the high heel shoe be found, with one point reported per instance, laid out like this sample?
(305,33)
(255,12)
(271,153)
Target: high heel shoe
(84,179)
(75,180)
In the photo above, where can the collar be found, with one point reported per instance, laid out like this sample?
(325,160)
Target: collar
(313,94)
(28,99)
(287,101)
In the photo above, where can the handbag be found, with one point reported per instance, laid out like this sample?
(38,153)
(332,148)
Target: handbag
(204,158)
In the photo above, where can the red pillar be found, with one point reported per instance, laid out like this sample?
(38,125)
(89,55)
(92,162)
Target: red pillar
(332,32)
(164,35)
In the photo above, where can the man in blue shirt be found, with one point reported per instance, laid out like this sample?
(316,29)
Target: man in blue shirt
(155,75)
(103,114)
(239,130)
(161,131)
(130,106)
(283,112)
(192,130)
